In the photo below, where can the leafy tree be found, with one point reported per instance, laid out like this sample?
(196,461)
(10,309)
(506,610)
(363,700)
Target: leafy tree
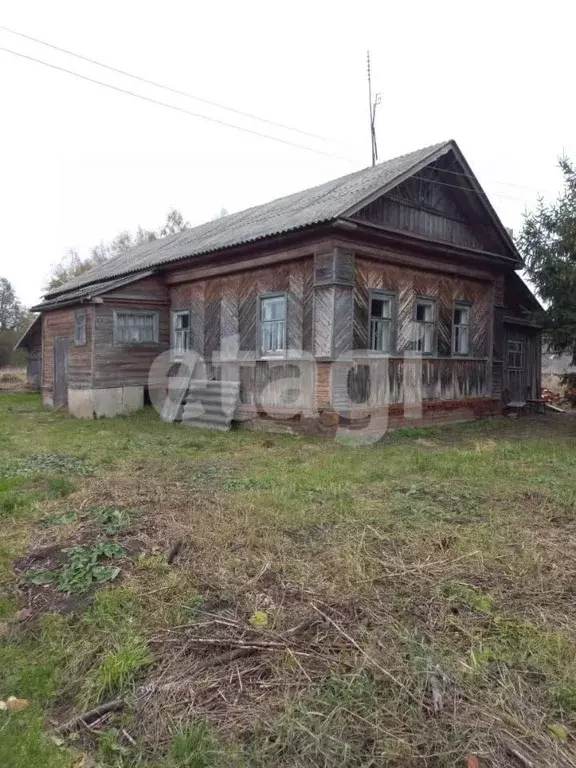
(548,245)
(11,310)
(72,264)
(13,322)
(174,223)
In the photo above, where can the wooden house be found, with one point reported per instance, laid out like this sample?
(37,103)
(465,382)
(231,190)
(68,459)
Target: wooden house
(392,289)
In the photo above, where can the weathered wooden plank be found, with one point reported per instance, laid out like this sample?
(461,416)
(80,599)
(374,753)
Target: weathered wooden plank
(212,312)
(295,311)
(361,308)
(344,267)
(323,320)
(404,313)
(308,307)
(343,321)
(281,277)
(247,313)
(229,344)
(61,323)
(445,309)
(60,371)
(324,268)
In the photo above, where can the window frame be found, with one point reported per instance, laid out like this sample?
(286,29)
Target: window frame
(462,304)
(173,315)
(84,340)
(519,351)
(378,293)
(261,299)
(432,302)
(135,312)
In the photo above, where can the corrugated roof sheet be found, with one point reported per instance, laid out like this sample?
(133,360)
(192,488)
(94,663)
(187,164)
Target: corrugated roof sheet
(92,289)
(302,209)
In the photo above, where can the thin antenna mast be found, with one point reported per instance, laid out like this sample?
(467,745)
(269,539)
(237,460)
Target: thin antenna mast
(372,107)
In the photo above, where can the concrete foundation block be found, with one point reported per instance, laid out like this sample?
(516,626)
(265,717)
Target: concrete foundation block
(104,403)
(47,399)
(132,399)
(81,403)
(107,402)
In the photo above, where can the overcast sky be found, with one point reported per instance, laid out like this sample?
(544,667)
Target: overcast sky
(80,162)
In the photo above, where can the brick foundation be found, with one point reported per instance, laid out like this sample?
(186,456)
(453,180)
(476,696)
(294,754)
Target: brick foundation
(327,422)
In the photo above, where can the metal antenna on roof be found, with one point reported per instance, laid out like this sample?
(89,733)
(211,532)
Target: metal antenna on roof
(372,106)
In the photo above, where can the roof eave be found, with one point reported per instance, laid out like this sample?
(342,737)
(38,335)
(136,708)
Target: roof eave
(20,343)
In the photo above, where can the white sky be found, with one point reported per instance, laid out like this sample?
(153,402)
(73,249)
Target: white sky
(79,162)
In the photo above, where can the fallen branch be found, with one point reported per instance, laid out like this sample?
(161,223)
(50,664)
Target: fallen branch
(303,626)
(520,757)
(368,658)
(92,714)
(255,644)
(171,685)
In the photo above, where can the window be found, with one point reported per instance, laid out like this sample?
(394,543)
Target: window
(516,354)
(381,319)
(461,330)
(80,329)
(273,325)
(135,327)
(180,332)
(424,324)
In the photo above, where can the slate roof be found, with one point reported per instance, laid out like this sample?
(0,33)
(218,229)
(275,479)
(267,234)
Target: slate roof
(73,296)
(320,204)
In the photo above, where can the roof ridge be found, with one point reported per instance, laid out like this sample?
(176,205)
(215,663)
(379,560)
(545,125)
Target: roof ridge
(314,205)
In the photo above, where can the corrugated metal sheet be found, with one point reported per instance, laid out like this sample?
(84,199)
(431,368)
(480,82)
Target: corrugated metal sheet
(93,289)
(312,206)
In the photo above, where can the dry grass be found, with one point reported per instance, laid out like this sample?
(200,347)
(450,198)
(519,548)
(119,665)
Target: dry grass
(13,380)
(401,605)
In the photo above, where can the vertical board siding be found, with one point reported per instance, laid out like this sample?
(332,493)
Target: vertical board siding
(324,268)
(430,205)
(323,320)
(295,311)
(229,317)
(212,315)
(60,371)
(391,381)
(247,312)
(197,307)
(343,321)
(308,308)
(343,267)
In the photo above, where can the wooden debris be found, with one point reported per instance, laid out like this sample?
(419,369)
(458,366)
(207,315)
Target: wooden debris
(520,757)
(92,714)
(437,688)
(303,626)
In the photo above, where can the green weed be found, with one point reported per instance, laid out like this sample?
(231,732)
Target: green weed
(116,670)
(82,569)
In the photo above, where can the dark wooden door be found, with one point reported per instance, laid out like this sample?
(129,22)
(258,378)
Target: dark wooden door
(521,368)
(60,372)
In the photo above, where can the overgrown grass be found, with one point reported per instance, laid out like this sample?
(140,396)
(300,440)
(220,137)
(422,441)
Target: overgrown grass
(443,557)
